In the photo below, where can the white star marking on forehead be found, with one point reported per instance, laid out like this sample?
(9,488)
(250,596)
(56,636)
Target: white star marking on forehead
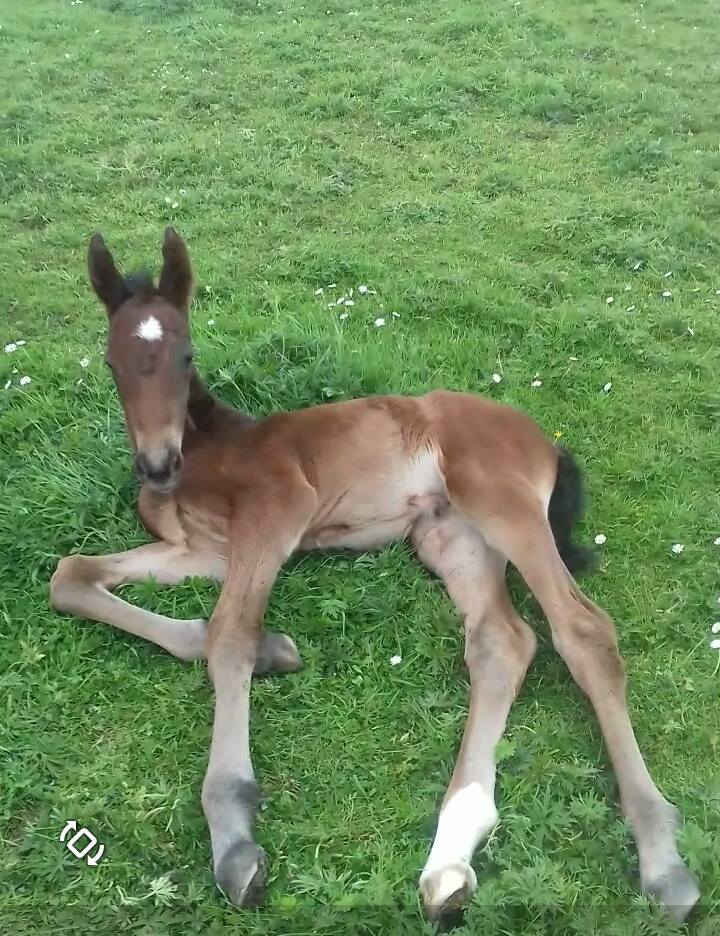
(149,329)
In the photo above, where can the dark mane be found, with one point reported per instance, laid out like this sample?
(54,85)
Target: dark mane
(140,283)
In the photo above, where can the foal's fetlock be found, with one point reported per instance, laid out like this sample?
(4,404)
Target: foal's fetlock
(676,890)
(71,575)
(446,889)
(230,804)
(663,876)
(240,874)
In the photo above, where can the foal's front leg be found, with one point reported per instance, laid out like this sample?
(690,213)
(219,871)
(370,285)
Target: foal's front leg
(263,535)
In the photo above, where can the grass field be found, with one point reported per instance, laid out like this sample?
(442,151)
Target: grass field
(497,172)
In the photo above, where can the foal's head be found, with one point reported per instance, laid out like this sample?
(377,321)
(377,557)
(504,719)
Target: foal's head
(149,354)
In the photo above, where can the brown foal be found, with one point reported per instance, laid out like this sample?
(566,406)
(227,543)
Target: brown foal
(472,483)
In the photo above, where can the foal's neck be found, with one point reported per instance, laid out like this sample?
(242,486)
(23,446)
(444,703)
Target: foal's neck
(205,412)
(201,403)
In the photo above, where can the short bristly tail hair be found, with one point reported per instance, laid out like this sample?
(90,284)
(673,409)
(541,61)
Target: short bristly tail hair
(567,504)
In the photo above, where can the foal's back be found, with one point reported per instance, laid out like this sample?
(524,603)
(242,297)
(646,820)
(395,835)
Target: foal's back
(376,464)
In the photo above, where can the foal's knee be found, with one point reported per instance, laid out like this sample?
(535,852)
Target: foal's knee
(232,650)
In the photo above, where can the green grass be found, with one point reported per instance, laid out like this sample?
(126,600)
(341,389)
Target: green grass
(495,171)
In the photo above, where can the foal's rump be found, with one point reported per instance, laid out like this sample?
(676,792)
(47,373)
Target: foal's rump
(501,459)
(496,439)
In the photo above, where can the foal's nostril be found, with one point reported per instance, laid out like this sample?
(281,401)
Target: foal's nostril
(140,466)
(158,470)
(174,460)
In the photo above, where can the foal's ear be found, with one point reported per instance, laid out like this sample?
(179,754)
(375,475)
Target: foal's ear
(106,281)
(176,277)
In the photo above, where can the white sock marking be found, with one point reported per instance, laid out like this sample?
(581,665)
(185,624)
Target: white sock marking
(464,820)
(150,329)
(449,881)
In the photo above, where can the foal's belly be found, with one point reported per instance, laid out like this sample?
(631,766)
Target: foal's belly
(377,508)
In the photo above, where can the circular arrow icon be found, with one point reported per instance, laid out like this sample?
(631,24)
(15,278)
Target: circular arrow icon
(87,847)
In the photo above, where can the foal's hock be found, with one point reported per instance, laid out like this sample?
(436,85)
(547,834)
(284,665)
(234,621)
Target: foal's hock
(471,483)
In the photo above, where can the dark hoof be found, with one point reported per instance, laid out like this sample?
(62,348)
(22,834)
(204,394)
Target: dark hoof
(240,874)
(676,891)
(277,653)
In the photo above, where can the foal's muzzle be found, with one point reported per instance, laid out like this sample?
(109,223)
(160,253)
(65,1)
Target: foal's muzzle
(159,470)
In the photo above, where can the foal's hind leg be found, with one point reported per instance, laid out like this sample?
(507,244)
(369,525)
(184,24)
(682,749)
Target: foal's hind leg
(512,519)
(82,585)
(498,648)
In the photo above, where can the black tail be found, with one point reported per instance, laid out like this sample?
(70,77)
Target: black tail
(567,504)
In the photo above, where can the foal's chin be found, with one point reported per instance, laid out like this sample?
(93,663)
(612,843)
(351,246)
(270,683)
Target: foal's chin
(161,488)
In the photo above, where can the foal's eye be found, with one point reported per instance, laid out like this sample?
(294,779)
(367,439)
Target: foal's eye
(188,359)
